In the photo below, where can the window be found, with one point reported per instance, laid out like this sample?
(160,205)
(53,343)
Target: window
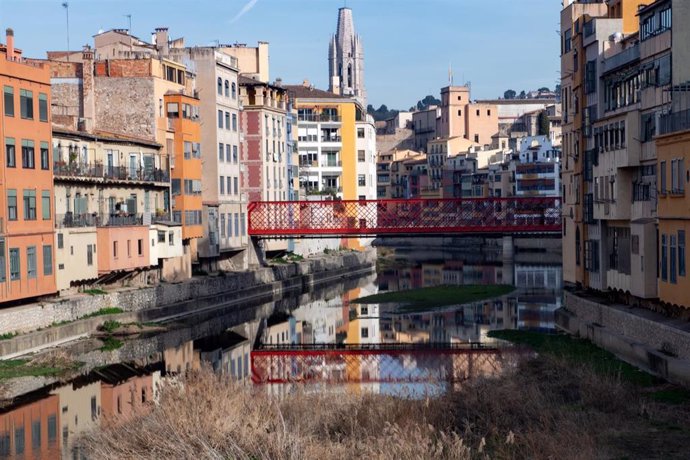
(175,186)
(228,153)
(3,262)
(221,149)
(10,156)
(171,238)
(48,260)
(234,90)
(29,204)
(220,118)
(129,248)
(15,265)
(365,332)
(28,154)
(140,247)
(60,241)
(235,183)
(476,138)
(664,257)
(235,156)
(229,185)
(237,222)
(227,120)
(222,185)
(45,204)
(227,88)
(567,41)
(242,224)
(45,156)
(220,86)
(161,236)
(662,172)
(31,262)
(672,258)
(360,133)
(681,252)
(26,103)
(577,246)
(234,122)
(36,434)
(42,107)
(361,156)
(114,249)
(222,225)
(677,173)
(187,150)
(9,101)
(89,255)
(362,180)
(11,204)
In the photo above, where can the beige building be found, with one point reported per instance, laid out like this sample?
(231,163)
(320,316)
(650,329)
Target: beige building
(109,201)
(252,61)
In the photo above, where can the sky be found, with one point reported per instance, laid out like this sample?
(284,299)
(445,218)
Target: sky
(409,45)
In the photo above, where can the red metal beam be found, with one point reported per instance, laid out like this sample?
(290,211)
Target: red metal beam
(413,216)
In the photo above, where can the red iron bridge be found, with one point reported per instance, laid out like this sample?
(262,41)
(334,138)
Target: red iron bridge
(409,217)
(380,363)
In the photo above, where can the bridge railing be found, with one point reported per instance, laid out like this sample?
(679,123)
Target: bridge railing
(407,216)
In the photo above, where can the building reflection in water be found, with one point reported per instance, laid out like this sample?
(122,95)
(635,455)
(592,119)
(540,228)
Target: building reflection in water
(46,423)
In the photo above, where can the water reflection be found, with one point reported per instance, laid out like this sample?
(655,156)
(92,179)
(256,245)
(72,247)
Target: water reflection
(44,422)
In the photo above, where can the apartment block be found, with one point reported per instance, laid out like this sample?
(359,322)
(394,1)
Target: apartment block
(109,218)
(27,251)
(263,149)
(623,167)
(223,244)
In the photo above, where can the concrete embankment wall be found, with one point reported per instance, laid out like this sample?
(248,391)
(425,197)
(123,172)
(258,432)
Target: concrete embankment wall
(657,347)
(167,300)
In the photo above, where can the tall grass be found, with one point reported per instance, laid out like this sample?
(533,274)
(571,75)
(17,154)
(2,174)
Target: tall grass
(546,408)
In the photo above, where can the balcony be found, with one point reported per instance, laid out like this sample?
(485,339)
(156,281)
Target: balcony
(99,171)
(331,139)
(674,122)
(621,59)
(71,220)
(318,117)
(332,164)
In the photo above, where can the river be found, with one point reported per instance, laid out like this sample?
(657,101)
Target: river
(338,343)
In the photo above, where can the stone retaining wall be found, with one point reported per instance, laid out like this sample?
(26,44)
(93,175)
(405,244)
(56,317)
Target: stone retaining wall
(659,348)
(41,315)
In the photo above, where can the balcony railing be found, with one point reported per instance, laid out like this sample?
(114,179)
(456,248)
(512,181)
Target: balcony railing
(315,117)
(331,139)
(673,122)
(620,59)
(72,220)
(331,164)
(100,171)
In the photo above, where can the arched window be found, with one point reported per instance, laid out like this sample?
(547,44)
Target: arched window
(227,88)
(577,245)
(234,90)
(220,86)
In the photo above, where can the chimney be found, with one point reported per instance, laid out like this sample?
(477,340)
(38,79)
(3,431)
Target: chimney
(89,107)
(9,33)
(162,40)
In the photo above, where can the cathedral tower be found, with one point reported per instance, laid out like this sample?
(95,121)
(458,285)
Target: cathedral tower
(346,60)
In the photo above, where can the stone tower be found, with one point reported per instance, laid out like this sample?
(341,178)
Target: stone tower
(346,60)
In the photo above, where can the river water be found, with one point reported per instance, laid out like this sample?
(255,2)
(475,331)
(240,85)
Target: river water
(338,343)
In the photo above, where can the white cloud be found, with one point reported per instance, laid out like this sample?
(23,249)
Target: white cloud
(245,9)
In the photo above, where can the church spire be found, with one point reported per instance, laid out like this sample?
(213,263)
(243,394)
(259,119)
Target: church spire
(346,59)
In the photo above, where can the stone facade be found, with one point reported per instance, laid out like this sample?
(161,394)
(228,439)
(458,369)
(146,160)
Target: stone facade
(200,292)
(124,106)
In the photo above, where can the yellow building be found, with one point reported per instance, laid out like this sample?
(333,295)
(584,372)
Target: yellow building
(327,144)
(674,218)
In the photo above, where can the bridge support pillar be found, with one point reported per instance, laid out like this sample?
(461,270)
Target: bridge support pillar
(508,257)
(256,253)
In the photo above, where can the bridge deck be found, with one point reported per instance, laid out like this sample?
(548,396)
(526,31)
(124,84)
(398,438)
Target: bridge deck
(276,219)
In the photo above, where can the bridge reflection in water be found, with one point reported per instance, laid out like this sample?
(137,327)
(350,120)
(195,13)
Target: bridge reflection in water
(379,363)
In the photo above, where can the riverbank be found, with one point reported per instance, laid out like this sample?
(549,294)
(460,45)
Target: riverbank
(649,340)
(550,406)
(33,327)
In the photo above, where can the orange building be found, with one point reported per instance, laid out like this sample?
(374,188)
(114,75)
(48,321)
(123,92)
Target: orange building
(31,430)
(26,178)
(183,121)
